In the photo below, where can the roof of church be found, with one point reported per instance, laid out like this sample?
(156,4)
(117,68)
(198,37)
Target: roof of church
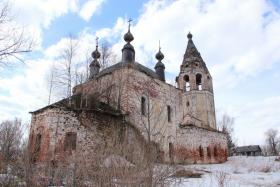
(134,65)
(73,103)
(191,50)
(192,55)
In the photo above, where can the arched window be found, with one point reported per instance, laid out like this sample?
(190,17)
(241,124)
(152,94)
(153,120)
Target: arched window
(201,151)
(168,113)
(198,80)
(176,80)
(187,82)
(143,105)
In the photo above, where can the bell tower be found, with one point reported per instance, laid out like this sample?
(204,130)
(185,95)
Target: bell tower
(196,82)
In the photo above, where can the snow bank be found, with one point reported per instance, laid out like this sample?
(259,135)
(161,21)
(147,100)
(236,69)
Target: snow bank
(238,171)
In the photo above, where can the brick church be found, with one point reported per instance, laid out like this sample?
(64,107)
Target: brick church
(126,108)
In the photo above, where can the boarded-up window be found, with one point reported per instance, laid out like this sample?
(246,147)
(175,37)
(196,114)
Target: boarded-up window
(70,141)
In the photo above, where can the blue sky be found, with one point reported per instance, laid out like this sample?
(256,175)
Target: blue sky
(105,16)
(239,41)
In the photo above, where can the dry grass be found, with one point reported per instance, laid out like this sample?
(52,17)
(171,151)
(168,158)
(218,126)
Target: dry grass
(186,174)
(222,178)
(266,168)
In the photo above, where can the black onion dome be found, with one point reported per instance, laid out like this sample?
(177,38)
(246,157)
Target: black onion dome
(159,55)
(128,37)
(95,54)
(189,35)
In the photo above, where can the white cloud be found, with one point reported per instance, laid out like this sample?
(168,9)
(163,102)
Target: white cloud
(86,40)
(34,15)
(43,12)
(89,8)
(24,92)
(254,119)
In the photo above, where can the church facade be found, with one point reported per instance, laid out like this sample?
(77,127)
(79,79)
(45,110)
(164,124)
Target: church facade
(126,107)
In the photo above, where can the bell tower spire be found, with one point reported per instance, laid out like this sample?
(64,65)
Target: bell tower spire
(196,82)
(194,74)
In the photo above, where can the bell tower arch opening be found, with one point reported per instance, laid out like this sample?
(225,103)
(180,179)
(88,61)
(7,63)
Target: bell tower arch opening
(198,81)
(187,83)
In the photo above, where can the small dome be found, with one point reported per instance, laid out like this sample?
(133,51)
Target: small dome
(95,54)
(128,37)
(189,35)
(159,55)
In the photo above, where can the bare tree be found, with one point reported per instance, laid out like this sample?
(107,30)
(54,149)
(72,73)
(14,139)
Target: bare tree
(11,133)
(80,76)
(22,168)
(226,125)
(107,55)
(13,41)
(87,63)
(14,154)
(62,74)
(272,140)
(51,82)
(68,54)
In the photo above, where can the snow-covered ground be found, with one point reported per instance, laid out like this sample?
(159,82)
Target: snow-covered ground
(238,171)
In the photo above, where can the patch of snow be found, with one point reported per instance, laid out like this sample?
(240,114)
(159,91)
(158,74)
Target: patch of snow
(238,171)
